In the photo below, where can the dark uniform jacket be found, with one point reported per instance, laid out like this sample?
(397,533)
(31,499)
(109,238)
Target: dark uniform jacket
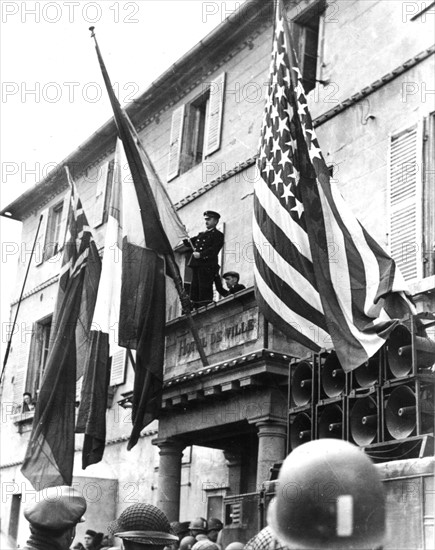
(208,244)
(223,291)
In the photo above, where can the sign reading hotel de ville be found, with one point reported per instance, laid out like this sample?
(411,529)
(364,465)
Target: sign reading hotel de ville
(219,336)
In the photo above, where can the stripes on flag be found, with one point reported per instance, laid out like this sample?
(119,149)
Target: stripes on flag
(319,276)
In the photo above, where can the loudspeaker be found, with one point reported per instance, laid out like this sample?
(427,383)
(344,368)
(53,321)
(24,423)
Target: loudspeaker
(301,384)
(401,359)
(408,409)
(365,419)
(300,429)
(369,374)
(330,420)
(333,380)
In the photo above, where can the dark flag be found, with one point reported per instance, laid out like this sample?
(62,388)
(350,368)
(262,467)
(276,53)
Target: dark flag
(50,453)
(147,253)
(319,276)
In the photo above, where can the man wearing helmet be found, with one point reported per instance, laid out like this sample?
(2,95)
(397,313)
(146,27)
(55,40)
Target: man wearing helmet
(198,528)
(143,526)
(329,496)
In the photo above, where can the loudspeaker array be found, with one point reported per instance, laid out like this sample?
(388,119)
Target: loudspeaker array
(385,406)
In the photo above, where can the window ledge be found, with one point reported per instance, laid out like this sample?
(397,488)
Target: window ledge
(23,421)
(423,285)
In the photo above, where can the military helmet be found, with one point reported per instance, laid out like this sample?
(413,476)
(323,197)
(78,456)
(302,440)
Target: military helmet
(187,542)
(215,524)
(198,524)
(329,496)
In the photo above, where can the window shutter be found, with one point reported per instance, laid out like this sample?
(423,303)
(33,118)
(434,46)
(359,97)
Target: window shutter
(34,360)
(429,197)
(40,243)
(79,384)
(117,369)
(100,194)
(21,361)
(63,223)
(215,115)
(175,143)
(405,201)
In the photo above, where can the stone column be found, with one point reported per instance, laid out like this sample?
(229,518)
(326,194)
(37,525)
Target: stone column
(168,494)
(234,463)
(271,447)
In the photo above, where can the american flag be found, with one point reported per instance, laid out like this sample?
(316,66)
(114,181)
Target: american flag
(319,277)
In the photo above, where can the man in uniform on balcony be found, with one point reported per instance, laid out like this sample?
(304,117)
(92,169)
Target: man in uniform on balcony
(204,260)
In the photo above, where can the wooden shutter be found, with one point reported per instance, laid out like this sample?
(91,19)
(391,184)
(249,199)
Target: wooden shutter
(33,364)
(405,201)
(174,157)
(40,243)
(100,194)
(63,223)
(215,115)
(20,360)
(429,197)
(79,384)
(117,369)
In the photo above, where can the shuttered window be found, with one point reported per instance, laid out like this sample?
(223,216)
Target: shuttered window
(196,129)
(37,357)
(101,192)
(308,35)
(429,197)
(40,242)
(405,201)
(214,118)
(118,367)
(175,143)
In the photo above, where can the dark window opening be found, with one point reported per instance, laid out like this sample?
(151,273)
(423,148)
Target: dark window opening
(306,32)
(195,132)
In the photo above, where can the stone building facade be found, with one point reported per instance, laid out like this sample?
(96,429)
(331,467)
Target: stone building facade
(369,66)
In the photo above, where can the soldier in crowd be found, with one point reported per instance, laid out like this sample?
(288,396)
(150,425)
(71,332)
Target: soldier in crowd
(214,526)
(89,539)
(204,260)
(142,526)
(198,528)
(231,279)
(187,542)
(53,518)
(349,514)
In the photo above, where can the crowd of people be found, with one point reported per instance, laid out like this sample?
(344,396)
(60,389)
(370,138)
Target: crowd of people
(329,496)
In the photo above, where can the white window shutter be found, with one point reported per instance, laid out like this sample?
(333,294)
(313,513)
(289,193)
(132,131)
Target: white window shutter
(117,370)
(40,243)
(63,223)
(79,385)
(175,143)
(405,201)
(215,115)
(100,194)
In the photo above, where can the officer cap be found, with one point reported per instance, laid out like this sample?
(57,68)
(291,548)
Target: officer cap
(91,533)
(231,274)
(56,508)
(211,214)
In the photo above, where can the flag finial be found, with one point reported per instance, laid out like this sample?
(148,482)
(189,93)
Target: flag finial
(92,32)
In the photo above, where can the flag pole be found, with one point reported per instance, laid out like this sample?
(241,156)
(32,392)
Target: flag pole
(126,137)
(8,348)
